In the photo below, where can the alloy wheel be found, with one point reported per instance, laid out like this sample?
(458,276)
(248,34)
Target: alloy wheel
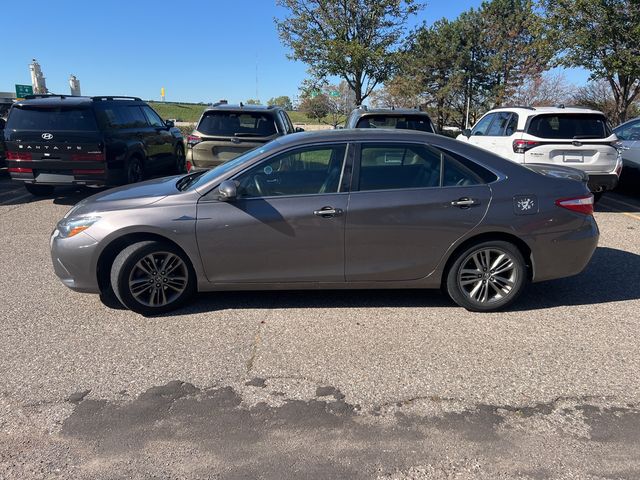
(487,275)
(158,279)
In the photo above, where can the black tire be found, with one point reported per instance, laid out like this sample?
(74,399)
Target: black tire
(134,171)
(127,273)
(39,190)
(180,161)
(493,291)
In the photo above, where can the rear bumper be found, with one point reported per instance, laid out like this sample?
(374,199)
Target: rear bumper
(602,182)
(97,174)
(567,254)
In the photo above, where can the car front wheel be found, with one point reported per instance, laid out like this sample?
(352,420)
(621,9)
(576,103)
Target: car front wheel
(487,276)
(152,277)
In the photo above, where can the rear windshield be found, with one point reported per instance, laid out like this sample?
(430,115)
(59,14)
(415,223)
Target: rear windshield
(239,124)
(58,118)
(569,125)
(408,122)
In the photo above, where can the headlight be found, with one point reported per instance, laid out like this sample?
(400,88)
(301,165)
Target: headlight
(70,227)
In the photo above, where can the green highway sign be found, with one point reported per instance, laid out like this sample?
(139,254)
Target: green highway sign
(23,90)
(334,93)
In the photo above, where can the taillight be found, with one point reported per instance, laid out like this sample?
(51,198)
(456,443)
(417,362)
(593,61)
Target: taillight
(582,204)
(189,166)
(521,146)
(89,157)
(19,170)
(19,156)
(193,140)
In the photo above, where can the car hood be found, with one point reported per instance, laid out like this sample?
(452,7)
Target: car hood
(128,196)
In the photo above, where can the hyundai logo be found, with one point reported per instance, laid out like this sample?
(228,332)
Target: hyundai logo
(47,136)
(577,144)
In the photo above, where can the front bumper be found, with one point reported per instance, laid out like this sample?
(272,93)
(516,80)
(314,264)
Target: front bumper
(73,261)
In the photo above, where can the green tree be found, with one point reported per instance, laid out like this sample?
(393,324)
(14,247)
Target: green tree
(281,101)
(352,39)
(316,107)
(252,101)
(602,36)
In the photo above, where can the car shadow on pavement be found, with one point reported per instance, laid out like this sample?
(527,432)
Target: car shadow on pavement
(612,276)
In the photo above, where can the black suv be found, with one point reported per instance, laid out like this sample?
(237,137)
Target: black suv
(404,118)
(226,131)
(59,140)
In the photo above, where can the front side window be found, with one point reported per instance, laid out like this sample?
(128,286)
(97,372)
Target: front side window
(304,171)
(154,119)
(483,125)
(499,125)
(398,166)
(629,132)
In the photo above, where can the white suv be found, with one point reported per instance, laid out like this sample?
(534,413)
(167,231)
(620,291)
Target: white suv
(574,137)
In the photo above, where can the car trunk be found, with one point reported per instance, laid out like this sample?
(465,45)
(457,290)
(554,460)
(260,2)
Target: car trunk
(212,150)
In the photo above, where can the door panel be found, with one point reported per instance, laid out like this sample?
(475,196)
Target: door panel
(275,239)
(403,234)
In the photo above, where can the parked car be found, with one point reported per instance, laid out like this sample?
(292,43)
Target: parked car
(574,137)
(225,131)
(334,209)
(629,135)
(58,140)
(402,118)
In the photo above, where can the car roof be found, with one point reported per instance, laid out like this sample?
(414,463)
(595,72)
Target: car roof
(225,107)
(531,111)
(74,101)
(390,111)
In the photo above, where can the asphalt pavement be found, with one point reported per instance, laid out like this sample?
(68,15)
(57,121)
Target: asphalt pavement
(323,384)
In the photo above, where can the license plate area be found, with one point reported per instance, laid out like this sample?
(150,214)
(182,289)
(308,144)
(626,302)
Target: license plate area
(53,178)
(572,157)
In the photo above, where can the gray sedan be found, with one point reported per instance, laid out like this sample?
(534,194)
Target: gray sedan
(333,210)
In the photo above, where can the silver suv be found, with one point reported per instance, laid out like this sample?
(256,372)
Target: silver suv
(573,137)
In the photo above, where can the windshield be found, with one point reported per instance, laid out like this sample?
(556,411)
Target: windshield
(230,165)
(248,124)
(54,119)
(569,125)
(407,122)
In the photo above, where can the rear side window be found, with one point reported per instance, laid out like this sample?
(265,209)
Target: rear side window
(121,117)
(406,122)
(396,166)
(57,118)
(569,125)
(239,124)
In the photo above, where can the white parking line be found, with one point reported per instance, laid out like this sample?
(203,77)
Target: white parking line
(630,205)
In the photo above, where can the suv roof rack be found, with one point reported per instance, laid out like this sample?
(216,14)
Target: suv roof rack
(114,97)
(527,107)
(362,107)
(220,102)
(43,95)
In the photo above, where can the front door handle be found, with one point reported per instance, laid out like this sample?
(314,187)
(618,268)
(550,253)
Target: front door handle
(328,212)
(464,202)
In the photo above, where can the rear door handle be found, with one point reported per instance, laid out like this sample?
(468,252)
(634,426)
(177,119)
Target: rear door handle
(328,212)
(464,202)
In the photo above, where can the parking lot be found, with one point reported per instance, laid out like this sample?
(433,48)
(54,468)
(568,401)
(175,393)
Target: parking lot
(366,384)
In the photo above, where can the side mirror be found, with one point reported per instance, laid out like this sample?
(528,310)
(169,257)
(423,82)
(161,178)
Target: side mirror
(170,123)
(466,132)
(227,191)
(299,129)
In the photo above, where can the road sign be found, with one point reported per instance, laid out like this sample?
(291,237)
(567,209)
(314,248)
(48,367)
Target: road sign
(23,90)
(334,93)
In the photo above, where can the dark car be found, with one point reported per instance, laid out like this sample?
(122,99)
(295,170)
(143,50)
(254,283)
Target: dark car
(334,209)
(225,131)
(5,105)
(97,141)
(402,118)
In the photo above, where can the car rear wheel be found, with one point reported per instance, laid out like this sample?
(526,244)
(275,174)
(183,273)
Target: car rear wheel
(152,277)
(39,190)
(135,170)
(487,276)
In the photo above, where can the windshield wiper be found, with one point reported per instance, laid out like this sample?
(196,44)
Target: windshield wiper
(188,179)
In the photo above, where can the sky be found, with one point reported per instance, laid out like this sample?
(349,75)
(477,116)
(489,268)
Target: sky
(197,50)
